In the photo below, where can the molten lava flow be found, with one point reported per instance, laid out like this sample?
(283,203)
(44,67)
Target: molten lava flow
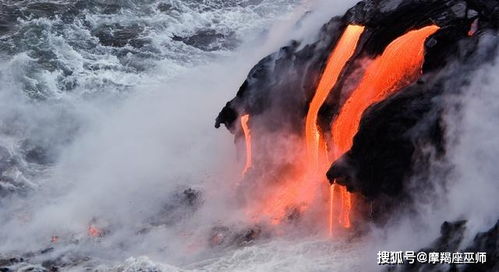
(316,145)
(341,54)
(294,187)
(247,138)
(399,65)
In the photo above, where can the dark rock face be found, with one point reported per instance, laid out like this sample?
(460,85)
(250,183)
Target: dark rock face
(280,85)
(486,242)
(487,9)
(387,25)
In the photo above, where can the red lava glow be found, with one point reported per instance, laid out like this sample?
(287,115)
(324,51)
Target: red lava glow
(247,138)
(292,197)
(398,66)
(285,192)
(296,187)
(93,231)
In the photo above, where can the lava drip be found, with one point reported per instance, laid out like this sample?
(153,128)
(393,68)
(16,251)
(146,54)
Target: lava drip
(316,145)
(399,65)
(247,140)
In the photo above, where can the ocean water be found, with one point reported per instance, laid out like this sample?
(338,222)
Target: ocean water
(60,56)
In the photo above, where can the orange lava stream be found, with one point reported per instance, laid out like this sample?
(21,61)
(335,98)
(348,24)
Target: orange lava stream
(247,138)
(398,66)
(341,54)
(316,147)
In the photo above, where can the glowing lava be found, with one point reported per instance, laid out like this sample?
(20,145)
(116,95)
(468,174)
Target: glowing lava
(247,138)
(294,187)
(316,147)
(342,53)
(93,231)
(399,65)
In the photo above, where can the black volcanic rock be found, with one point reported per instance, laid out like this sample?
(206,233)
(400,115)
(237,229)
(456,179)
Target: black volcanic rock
(280,86)
(387,25)
(488,9)
(486,242)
